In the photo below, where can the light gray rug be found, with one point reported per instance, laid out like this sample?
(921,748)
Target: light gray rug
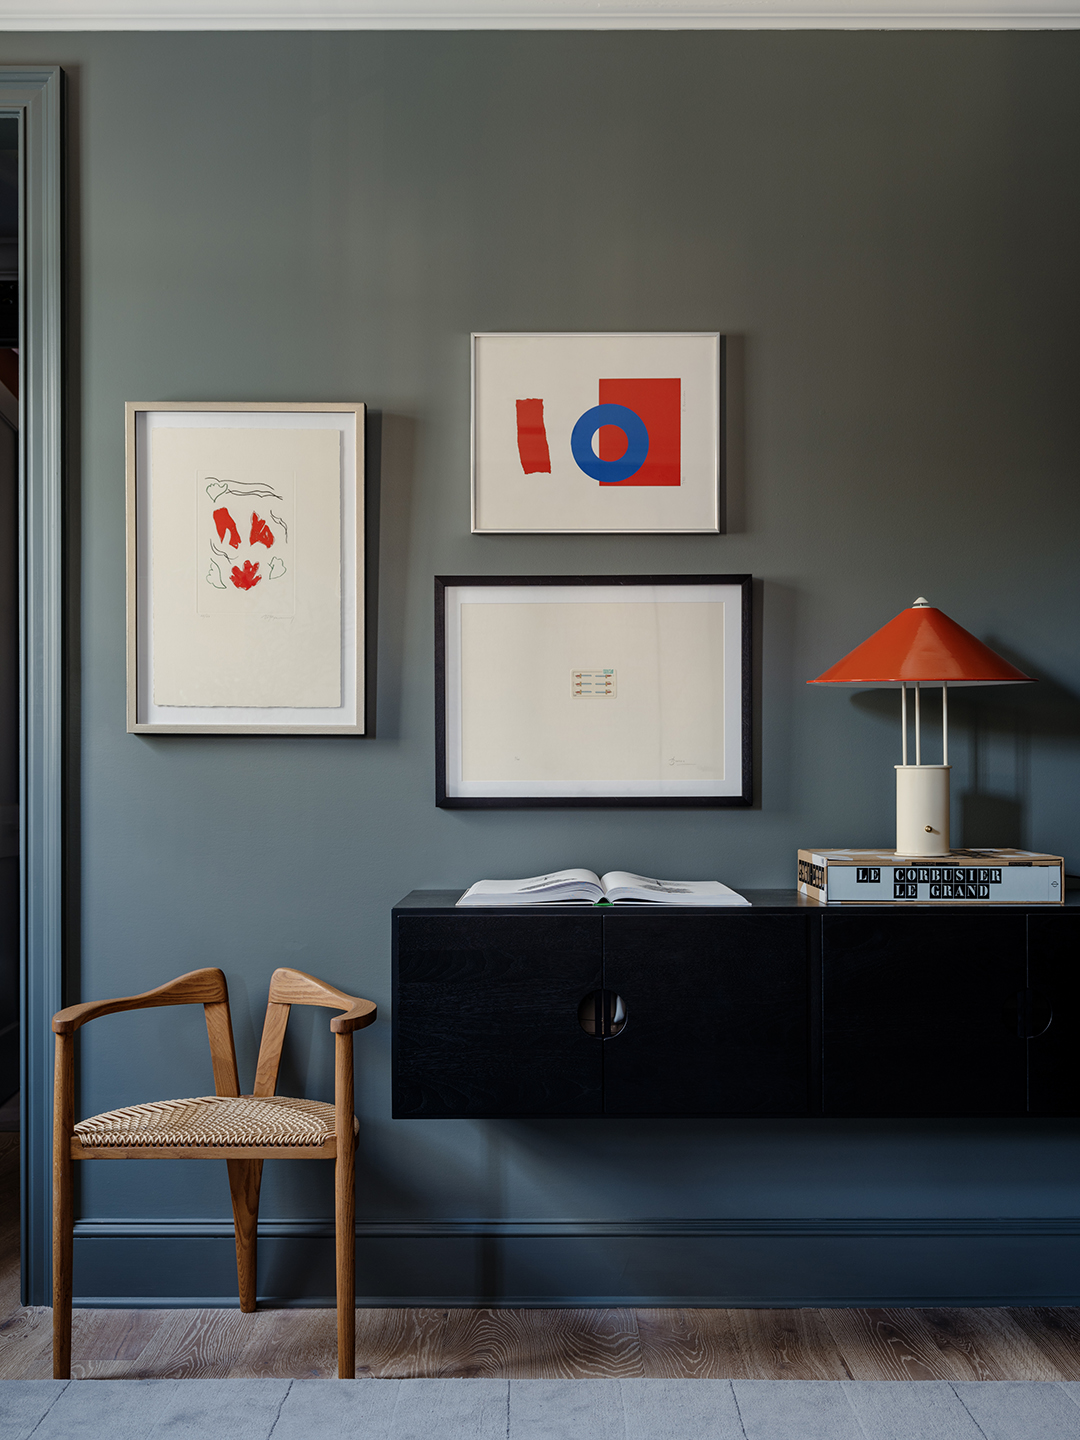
(536,1410)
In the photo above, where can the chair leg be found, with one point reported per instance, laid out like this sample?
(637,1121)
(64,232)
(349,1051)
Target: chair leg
(345,1227)
(345,1203)
(63,1213)
(63,1230)
(245,1177)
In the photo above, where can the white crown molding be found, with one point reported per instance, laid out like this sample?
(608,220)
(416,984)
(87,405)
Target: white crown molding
(53,15)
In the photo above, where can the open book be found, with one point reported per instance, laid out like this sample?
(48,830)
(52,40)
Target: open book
(568,887)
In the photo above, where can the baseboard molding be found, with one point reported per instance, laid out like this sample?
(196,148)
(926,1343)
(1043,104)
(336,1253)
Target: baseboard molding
(753,1263)
(850,1228)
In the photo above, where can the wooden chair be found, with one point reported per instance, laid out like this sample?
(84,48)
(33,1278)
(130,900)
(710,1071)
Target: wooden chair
(244,1130)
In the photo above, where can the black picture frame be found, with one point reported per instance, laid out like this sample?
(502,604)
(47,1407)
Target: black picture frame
(446,799)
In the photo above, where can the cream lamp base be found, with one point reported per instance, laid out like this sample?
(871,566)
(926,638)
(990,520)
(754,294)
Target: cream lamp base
(922,809)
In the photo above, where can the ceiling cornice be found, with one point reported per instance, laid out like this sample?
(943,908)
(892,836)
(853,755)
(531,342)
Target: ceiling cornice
(56,15)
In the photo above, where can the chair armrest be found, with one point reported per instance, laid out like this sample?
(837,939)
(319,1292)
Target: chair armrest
(362,1014)
(198,987)
(294,987)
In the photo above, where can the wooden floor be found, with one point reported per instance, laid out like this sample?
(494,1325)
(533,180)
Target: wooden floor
(1015,1344)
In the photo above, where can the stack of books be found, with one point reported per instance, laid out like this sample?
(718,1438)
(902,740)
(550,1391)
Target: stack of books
(875,877)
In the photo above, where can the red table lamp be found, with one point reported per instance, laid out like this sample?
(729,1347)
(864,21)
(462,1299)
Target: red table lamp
(923,646)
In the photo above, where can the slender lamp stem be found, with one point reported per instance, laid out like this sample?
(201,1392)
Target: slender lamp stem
(944,722)
(918,723)
(903,716)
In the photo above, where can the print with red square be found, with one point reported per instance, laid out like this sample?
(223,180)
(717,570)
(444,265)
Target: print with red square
(659,404)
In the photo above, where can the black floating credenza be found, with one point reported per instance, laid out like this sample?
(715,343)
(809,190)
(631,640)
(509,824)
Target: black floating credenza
(790,1008)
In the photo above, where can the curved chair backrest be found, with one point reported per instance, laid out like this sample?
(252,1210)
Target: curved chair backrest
(294,987)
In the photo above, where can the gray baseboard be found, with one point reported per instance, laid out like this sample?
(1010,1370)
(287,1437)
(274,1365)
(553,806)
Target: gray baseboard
(736,1263)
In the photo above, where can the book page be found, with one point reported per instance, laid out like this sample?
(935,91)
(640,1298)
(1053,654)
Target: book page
(540,882)
(621,885)
(623,880)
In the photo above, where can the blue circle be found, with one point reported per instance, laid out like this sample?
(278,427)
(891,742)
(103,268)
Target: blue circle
(610,472)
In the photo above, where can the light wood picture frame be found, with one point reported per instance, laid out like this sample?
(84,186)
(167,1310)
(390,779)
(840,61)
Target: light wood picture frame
(245,568)
(574,691)
(597,432)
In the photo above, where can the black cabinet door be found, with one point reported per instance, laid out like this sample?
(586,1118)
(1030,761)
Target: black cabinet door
(717,1011)
(486,1015)
(919,1012)
(1052,1018)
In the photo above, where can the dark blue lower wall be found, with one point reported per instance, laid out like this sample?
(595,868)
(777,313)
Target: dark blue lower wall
(929,1264)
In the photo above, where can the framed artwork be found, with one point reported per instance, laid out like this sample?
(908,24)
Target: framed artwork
(245,568)
(608,690)
(595,433)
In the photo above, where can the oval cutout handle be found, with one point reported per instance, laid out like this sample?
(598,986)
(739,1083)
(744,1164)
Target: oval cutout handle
(602,1013)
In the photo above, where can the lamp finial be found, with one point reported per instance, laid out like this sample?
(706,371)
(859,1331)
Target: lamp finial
(920,603)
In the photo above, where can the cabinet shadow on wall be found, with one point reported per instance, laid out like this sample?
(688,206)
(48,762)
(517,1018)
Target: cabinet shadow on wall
(999,723)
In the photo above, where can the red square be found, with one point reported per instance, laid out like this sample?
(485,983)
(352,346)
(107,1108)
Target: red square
(659,404)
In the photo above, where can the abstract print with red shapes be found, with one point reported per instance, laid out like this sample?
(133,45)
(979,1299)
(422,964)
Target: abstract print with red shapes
(230,569)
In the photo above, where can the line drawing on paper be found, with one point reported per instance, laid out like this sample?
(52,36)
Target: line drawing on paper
(217,488)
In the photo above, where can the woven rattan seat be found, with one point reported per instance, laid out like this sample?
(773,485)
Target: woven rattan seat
(212,1120)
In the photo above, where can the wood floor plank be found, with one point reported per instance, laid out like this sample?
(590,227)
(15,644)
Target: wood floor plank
(26,1344)
(887,1344)
(739,1345)
(985,1345)
(405,1344)
(1055,1333)
(785,1345)
(193,1345)
(683,1344)
(541,1344)
(287,1344)
(107,1344)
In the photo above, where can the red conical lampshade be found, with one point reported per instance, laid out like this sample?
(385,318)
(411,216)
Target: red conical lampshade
(922,643)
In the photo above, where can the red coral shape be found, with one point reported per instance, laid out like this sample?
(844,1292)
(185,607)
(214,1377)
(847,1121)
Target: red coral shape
(261,534)
(224,522)
(247,578)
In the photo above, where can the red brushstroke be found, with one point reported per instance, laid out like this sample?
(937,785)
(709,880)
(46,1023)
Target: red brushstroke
(659,403)
(224,522)
(532,438)
(261,534)
(247,578)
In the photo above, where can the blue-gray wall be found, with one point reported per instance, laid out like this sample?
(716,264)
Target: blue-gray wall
(889,225)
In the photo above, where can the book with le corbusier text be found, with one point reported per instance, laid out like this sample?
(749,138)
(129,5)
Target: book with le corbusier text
(884,877)
(582,887)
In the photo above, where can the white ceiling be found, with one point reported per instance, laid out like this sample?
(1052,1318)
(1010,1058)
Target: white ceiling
(539,14)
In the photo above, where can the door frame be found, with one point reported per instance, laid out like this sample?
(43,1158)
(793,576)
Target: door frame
(34,94)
